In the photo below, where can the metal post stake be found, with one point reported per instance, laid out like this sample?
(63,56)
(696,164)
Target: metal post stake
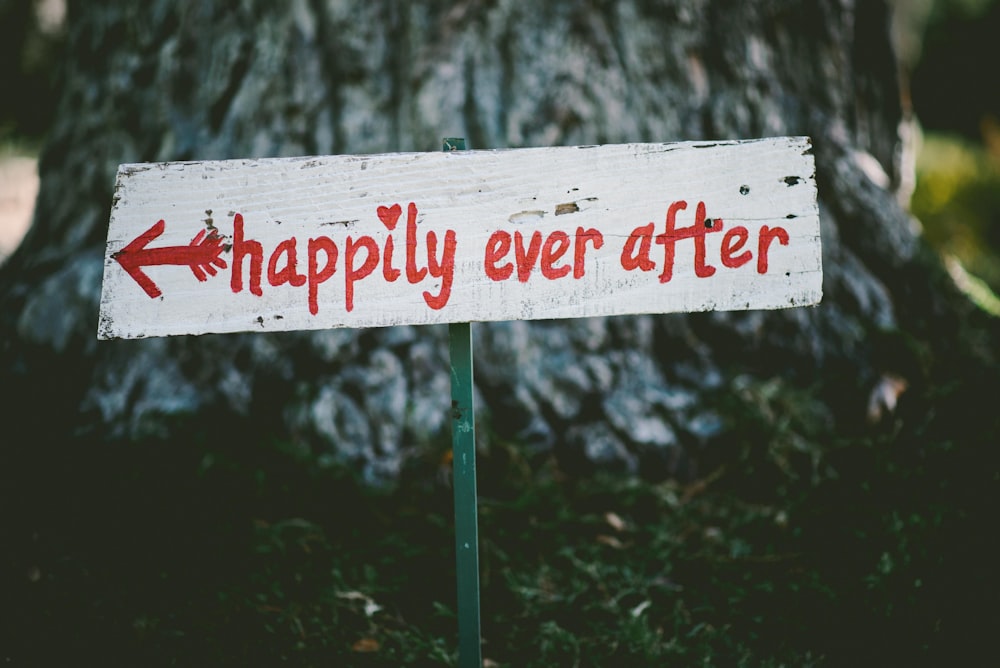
(463,441)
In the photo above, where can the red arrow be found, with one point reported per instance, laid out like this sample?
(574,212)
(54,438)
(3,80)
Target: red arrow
(200,255)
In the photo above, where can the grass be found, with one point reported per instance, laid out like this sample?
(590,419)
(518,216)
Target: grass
(802,548)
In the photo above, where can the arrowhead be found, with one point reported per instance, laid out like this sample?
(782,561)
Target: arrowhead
(132,256)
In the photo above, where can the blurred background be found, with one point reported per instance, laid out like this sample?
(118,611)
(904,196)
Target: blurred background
(32,35)
(954,134)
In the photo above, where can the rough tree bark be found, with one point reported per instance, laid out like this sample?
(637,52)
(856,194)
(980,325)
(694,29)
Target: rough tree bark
(163,80)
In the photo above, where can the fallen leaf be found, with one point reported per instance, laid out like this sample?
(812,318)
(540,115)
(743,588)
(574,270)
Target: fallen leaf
(615,521)
(610,541)
(371,607)
(639,609)
(883,397)
(366,645)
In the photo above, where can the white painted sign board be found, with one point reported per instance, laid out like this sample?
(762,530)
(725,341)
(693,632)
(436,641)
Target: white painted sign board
(417,238)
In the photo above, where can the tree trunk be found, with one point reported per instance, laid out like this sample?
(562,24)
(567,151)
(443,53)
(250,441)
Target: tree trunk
(160,80)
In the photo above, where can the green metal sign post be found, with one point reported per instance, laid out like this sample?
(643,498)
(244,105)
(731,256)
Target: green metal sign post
(463,441)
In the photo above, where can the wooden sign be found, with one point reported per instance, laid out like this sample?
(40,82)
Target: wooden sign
(419,238)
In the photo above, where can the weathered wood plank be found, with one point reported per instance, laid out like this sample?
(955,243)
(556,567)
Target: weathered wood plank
(376,240)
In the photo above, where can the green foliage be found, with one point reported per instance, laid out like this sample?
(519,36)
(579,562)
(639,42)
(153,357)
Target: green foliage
(808,545)
(957,200)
